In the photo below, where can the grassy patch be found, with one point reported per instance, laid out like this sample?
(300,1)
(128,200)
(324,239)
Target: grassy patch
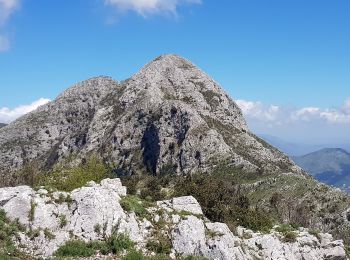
(288,232)
(114,244)
(9,231)
(68,178)
(133,203)
(75,248)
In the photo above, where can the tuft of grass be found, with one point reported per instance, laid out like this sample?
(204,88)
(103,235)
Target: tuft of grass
(288,232)
(117,243)
(63,220)
(133,203)
(97,229)
(31,213)
(75,248)
(48,234)
(8,232)
(33,233)
(290,237)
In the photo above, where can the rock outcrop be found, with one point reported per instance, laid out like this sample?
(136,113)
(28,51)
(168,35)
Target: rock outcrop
(169,117)
(76,215)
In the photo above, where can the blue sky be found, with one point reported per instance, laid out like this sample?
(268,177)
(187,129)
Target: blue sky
(291,54)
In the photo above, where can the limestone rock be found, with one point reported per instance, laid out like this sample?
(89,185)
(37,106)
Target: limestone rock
(98,205)
(186,203)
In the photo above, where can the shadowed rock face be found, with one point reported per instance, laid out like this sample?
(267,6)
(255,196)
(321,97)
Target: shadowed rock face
(170,115)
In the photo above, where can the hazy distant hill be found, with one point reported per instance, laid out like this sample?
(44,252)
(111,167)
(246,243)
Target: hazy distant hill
(2,125)
(292,149)
(299,149)
(329,165)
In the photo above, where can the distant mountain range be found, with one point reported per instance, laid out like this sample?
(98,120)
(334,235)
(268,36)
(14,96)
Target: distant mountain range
(2,125)
(298,149)
(329,165)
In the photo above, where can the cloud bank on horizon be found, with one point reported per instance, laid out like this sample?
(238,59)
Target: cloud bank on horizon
(273,114)
(149,7)
(7,8)
(311,125)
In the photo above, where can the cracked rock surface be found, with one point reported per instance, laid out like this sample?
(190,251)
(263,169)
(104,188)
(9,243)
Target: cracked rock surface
(188,231)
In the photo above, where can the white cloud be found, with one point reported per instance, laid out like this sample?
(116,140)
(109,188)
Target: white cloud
(7,115)
(149,7)
(306,124)
(258,110)
(271,113)
(7,7)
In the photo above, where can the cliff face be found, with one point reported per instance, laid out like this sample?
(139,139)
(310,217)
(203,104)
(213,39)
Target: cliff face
(168,118)
(50,219)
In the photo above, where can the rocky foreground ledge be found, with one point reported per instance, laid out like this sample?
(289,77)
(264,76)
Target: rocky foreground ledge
(92,212)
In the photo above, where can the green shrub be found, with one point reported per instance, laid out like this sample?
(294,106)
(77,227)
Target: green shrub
(220,201)
(290,237)
(284,228)
(114,244)
(8,231)
(75,248)
(67,178)
(288,232)
(117,243)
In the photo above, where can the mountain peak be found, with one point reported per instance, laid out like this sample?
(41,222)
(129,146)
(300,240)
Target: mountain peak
(168,63)
(169,115)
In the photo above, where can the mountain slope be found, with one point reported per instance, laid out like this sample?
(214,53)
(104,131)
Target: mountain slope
(169,117)
(331,166)
(2,125)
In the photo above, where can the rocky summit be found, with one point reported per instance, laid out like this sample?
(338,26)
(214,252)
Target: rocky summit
(174,137)
(51,219)
(169,117)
